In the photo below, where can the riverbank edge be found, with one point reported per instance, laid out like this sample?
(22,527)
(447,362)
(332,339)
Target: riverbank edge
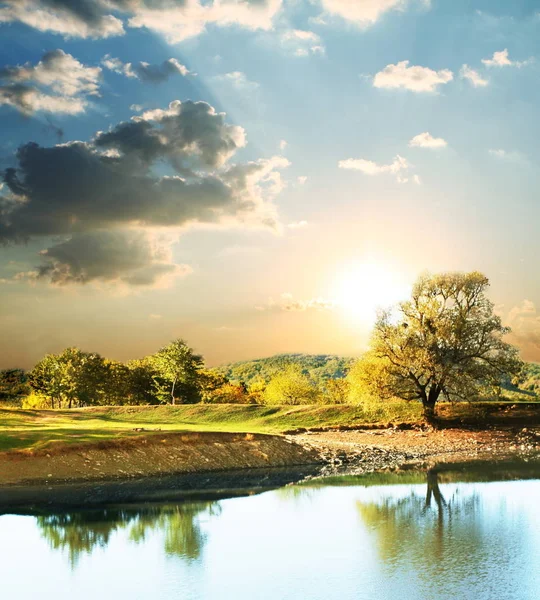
(169,454)
(153,455)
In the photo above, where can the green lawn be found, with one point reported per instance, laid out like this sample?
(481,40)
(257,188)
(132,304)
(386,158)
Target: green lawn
(37,429)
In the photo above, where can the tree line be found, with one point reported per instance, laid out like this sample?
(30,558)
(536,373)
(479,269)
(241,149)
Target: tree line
(445,342)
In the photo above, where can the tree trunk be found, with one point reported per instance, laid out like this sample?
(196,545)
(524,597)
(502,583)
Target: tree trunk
(172,391)
(428,401)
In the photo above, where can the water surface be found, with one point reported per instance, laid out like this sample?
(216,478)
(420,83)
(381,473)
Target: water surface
(416,535)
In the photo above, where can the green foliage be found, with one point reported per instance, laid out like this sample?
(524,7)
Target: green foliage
(177,368)
(528,379)
(291,386)
(257,373)
(446,341)
(14,385)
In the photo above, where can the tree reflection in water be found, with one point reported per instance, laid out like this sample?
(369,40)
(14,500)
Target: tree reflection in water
(81,532)
(425,530)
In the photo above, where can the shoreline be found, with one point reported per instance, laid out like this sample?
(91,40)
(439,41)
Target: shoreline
(172,466)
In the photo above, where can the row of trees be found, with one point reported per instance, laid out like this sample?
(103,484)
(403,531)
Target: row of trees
(445,342)
(174,374)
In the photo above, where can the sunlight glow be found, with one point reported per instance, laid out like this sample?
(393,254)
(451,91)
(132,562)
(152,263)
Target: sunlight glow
(361,288)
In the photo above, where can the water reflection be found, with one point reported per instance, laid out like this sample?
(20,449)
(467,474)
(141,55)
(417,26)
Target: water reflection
(81,532)
(424,529)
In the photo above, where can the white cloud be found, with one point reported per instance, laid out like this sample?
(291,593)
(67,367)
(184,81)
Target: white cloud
(414,78)
(283,144)
(501,59)
(362,12)
(145,71)
(58,83)
(188,19)
(426,140)
(302,43)
(399,168)
(512,156)
(286,302)
(473,76)
(302,179)
(298,225)
(238,80)
(368,167)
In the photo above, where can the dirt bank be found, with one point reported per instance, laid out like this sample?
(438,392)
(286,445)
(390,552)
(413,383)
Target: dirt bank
(152,455)
(364,451)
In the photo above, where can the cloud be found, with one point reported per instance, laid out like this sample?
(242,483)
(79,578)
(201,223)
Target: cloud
(134,258)
(512,156)
(473,76)
(302,43)
(283,144)
(88,190)
(298,225)
(145,71)
(426,140)
(175,20)
(363,12)
(414,78)
(368,167)
(524,320)
(302,179)
(179,21)
(182,133)
(58,83)
(399,167)
(501,59)
(70,18)
(288,303)
(238,80)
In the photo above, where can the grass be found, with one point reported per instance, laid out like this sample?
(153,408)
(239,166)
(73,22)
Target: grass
(39,429)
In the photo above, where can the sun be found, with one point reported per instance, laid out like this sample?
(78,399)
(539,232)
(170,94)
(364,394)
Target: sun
(363,287)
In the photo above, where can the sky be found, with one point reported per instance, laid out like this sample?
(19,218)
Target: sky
(258,176)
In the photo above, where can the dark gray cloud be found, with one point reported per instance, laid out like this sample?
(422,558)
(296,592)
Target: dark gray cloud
(131,257)
(71,187)
(58,83)
(91,191)
(145,71)
(183,131)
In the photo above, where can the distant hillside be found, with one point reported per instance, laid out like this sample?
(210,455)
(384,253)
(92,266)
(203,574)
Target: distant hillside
(319,367)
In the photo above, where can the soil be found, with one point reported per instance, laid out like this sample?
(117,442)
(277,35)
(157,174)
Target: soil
(152,455)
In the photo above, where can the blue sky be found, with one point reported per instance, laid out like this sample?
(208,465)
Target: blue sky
(331,225)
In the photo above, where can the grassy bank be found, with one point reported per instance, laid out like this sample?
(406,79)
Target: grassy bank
(39,429)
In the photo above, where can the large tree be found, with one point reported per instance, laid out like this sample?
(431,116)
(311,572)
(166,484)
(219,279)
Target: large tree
(445,342)
(177,368)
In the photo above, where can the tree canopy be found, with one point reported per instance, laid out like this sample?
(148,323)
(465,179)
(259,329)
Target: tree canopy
(446,341)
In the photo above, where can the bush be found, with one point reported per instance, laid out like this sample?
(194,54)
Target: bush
(36,401)
(290,387)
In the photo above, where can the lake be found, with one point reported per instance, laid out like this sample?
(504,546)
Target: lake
(448,533)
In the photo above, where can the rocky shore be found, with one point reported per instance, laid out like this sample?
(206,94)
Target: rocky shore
(365,451)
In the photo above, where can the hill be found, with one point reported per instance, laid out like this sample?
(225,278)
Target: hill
(318,367)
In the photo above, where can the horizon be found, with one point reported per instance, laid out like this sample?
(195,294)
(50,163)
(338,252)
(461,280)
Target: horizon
(259,178)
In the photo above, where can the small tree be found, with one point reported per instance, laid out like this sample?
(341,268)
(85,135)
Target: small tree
(445,341)
(177,368)
(290,386)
